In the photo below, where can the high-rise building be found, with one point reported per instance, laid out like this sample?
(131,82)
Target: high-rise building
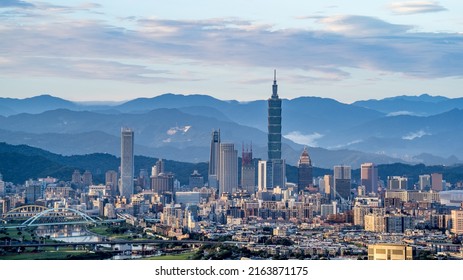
(425,181)
(457,221)
(436,182)
(127,163)
(369,177)
(342,181)
(304,171)
(397,182)
(248,171)
(76,177)
(329,186)
(262,175)
(33,192)
(228,170)
(87,178)
(274,123)
(214,160)
(163,183)
(276,171)
(111,179)
(196,180)
(385,251)
(2,186)
(144,179)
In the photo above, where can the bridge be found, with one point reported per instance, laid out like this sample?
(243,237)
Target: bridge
(42,216)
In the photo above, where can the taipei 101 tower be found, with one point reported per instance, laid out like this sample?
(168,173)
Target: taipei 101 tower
(274,123)
(276,168)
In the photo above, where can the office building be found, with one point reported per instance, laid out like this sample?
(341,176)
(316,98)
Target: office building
(262,175)
(33,192)
(457,221)
(127,163)
(87,178)
(196,180)
(436,182)
(248,171)
(369,177)
(2,186)
(228,169)
(425,182)
(276,171)
(397,183)
(76,177)
(304,171)
(214,160)
(329,186)
(342,182)
(390,252)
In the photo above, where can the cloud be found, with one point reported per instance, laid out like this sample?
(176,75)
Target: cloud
(416,7)
(401,113)
(413,135)
(82,68)
(361,26)
(138,48)
(15,3)
(304,139)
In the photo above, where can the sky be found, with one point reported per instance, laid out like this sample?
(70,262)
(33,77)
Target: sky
(120,50)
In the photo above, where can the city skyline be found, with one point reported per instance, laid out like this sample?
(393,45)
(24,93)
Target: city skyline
(119,51)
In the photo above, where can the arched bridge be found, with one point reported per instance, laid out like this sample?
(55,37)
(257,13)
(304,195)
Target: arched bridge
(23,212)
(59,216)
(35,215)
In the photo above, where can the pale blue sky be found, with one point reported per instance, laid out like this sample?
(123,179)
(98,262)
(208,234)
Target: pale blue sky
(120,50)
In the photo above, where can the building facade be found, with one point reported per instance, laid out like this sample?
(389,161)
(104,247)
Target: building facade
(369,177)
(127,163)
(228,171)
(304,171)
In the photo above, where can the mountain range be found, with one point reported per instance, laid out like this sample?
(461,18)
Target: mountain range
(410,129)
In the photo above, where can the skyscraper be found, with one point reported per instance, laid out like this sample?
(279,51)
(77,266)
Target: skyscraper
(436,182)
(342,182)
(228,170)
(214,160)
(127,163)
(369,177)
(274,123)
(111,180)
(304,171)
(262,176)
(248,171)
(276,172)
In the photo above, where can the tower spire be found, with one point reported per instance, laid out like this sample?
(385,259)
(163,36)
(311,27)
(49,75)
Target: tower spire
(275,86)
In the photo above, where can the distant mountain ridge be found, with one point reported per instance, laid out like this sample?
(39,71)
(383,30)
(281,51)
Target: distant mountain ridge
(178,126)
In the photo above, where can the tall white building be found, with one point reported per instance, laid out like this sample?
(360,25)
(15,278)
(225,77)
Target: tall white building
(228,168)
(425,181)
(127,163)
(262,175)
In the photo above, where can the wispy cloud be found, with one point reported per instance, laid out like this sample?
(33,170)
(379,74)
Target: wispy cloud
(416,7)
(304,139)
(362,26)
(416,134)
(15,3)
(46,42)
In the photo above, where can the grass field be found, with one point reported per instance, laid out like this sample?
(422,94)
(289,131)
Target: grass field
(183,256)
(42,255)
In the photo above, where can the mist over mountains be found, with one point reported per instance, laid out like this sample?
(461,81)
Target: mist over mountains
(415,129)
